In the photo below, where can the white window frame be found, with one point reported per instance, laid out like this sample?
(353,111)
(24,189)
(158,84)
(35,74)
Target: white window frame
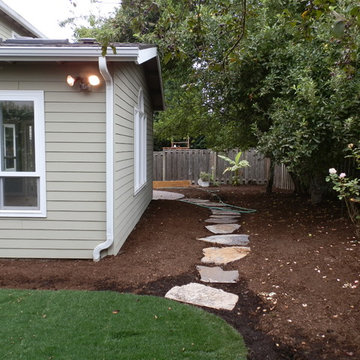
(37,97)
(140,144)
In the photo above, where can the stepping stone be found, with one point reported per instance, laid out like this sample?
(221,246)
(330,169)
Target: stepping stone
(226,220)
(166,195)
(215,204)
(225,255)
(225,216)
(227,239)
(225,212)
(223,228)
(202,295)
(217,275)
(197,201)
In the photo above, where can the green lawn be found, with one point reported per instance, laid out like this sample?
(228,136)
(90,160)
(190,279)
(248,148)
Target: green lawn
(85,325)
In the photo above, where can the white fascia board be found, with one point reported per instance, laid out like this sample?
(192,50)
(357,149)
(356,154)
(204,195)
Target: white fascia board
(20,20)
(146,54)
(63,53)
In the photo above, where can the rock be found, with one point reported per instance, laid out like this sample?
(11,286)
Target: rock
(202,295)
(225,255)
(227,239)
(196,201)
(225,220)
(225,212)
(215,204)
(223,228)
(225,216)
(166,195)
(217,275)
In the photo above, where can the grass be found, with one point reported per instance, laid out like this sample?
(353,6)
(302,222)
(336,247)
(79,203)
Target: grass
(107,325)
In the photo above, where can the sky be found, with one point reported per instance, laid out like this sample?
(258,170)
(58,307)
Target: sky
(45,15)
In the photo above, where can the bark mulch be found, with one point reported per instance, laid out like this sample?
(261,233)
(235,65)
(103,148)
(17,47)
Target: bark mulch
(298,289)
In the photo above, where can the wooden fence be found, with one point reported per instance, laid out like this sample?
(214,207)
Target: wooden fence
(187,165)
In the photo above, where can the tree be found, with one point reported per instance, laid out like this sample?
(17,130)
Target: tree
(277,74)
(314,111)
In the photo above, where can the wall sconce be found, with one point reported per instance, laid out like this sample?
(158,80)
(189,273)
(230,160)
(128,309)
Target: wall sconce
(85,84)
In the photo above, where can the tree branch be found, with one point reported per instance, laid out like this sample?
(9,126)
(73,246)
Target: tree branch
(241,36)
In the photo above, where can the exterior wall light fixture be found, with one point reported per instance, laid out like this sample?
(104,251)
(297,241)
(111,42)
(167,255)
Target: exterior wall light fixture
(85,84)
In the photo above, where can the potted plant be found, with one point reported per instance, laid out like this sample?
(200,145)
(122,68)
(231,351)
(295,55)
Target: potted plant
(204,179)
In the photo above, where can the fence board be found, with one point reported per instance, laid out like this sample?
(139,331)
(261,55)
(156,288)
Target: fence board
(172,165)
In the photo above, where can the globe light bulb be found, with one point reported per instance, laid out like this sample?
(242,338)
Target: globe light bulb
(94,80)
(70,80)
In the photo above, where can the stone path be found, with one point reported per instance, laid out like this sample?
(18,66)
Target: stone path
(234,248)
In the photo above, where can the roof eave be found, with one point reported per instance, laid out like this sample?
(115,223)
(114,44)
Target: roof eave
(20,20)
(88,54)
(41,53)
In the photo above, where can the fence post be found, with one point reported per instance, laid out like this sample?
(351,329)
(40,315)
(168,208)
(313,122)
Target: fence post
(163,166)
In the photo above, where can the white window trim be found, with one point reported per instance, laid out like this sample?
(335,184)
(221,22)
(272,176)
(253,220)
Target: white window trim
(39,129)
(140,144)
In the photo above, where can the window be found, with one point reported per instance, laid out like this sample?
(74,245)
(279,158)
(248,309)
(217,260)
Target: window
(22,154)
(140,141)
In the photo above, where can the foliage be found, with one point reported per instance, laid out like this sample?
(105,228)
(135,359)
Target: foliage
(281,75)
(308,91)
(109,325)
(235,166)
(348,189)
(204,176)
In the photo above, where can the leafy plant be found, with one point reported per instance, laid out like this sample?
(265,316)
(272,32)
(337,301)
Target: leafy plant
(235,166)
(204,176)
(348,189)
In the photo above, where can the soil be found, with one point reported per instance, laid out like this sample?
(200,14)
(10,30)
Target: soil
(298,289)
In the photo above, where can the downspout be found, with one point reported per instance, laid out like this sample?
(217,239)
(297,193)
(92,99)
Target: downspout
(109,159)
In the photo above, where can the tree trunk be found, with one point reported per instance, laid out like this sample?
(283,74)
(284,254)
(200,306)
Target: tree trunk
(317,189)
(299,186)
(270,182)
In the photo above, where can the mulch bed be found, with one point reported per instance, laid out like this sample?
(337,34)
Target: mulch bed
(305,254)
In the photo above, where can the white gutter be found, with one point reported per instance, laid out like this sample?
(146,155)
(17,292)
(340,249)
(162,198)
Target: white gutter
(146,55)
(109,160)
(73,53)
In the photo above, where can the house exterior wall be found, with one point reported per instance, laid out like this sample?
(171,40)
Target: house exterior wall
(7,28)
(75,166)
(128,207)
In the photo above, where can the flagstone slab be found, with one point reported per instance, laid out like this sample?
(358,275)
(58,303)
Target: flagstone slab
(226,220)
(202,295)
(224,212)
(227,239)
(215,204)
(223,228)
(222,216)
(225,255)
(166,195)
(196,201)
(217,275)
